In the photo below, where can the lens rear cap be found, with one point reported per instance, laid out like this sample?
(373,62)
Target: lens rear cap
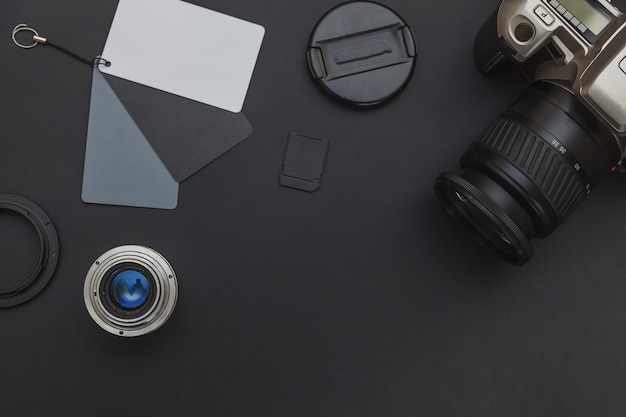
(362,54)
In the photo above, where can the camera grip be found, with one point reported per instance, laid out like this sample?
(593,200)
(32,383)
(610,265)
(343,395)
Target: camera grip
(491,51)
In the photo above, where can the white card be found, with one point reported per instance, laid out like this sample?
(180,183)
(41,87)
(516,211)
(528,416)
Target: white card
(185,50)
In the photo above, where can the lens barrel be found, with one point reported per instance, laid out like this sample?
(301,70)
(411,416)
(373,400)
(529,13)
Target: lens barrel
(528,171)
(130,290)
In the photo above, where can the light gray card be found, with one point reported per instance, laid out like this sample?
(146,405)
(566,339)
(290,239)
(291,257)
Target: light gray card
(121,168)
(184,49)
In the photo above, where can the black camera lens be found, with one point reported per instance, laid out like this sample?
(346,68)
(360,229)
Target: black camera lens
(528,171)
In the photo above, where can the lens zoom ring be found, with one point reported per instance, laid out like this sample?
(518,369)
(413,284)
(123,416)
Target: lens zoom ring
(539,160)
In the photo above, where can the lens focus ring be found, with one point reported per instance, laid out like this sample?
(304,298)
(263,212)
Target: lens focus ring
(546,181)
(544,162)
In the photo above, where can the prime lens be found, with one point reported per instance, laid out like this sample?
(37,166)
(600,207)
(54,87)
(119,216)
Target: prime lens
(130,290)
(528,171)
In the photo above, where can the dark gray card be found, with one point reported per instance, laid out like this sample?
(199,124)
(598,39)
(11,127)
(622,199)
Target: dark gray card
(187,135)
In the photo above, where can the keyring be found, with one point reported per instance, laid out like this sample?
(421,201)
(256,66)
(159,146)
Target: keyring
(40,39)
(24,27)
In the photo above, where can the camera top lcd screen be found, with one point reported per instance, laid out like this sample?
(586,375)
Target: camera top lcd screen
(588,13)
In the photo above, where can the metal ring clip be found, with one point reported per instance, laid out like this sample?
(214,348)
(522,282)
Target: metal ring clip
(23,27)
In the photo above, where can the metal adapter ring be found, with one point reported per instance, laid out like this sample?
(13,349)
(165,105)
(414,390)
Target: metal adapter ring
(48,253)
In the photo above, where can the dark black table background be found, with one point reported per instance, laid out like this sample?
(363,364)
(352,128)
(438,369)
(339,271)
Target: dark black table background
(362,299)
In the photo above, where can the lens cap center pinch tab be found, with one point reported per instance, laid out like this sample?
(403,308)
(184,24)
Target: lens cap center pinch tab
(362,54)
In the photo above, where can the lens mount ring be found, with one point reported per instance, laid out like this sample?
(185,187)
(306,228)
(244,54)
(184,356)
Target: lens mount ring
(458,194)
(48,252)
(147,318)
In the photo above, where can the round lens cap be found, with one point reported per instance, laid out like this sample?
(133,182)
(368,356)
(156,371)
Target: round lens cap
(362,54)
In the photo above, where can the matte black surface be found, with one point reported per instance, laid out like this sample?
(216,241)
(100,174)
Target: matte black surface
(362,299)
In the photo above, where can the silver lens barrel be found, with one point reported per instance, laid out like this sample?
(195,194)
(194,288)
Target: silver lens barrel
(112,313)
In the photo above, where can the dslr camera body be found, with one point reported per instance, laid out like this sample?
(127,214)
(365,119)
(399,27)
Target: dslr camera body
(534,165)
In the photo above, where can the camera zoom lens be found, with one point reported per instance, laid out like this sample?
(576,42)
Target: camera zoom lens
(528,171)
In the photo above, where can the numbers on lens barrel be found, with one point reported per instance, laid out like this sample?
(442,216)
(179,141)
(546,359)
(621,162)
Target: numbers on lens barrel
(558,146)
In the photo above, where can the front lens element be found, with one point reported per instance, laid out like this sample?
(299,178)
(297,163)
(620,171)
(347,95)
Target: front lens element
(130,289)
(489,213)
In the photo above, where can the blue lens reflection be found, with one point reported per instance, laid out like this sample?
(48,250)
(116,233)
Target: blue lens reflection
(130,289)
